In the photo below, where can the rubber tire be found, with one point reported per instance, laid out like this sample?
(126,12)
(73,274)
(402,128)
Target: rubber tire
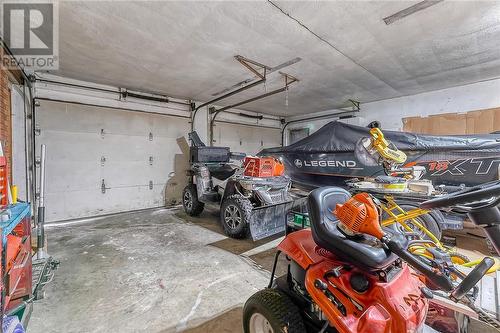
(430,220)
(245,207)
(283,315)
(460,256)
(198,206)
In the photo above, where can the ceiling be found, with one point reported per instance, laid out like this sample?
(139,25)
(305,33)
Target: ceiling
(186,49)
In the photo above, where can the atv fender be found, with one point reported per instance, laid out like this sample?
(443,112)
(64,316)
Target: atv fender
(232,187)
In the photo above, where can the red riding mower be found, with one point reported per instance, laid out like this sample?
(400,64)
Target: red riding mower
(347,274)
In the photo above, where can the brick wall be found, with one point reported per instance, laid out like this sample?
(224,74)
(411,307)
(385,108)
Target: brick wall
(5,115)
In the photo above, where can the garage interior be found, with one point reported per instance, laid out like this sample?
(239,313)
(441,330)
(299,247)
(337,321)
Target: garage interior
(116,217)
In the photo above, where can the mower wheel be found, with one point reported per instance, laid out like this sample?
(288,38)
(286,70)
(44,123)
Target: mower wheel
(235,215)
(271,310)
(430,220)
(190,202)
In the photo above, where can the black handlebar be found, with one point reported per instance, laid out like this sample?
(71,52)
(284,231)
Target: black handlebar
(437,277)
(472,278)
(472,198)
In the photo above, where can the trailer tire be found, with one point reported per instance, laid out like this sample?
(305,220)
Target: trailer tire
(235,216)
(431,220)
(273,309)
(192,206)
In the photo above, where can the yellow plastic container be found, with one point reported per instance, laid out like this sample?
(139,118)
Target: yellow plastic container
(13,191)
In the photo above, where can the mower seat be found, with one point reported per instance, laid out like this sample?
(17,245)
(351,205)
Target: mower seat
(363,250)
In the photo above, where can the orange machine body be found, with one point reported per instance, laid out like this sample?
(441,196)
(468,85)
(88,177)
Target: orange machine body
(386,307)
(263,167)
(359,214)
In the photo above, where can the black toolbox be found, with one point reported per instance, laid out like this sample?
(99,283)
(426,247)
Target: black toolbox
(209,154)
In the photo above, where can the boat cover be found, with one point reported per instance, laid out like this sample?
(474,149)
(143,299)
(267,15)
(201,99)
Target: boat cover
(340,137)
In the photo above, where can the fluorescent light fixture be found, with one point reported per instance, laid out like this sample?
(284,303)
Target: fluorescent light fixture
(410,10)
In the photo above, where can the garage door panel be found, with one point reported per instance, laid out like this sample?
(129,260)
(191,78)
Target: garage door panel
(247,139)
(67,145)
(123,148)
(119,174)
(70,175)
(171,128)
(111,121)
(126,123)
(79,158)
(71,205)
(65,117)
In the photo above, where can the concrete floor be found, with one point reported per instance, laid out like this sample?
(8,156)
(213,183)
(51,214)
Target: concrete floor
(156,271)
(142,271)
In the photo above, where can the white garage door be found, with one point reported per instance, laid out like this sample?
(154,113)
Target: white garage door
(102,161)
(246,139)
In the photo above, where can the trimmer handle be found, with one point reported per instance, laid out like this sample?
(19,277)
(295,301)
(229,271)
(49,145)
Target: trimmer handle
(472,278)
(437,277)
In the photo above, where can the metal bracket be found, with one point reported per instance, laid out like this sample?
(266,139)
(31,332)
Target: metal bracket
(102,133)
(258,69)
(150,160)
(355,104)
(150,136)
(122,94)
(103,187)
(150,184)
(38,130)
(103,160)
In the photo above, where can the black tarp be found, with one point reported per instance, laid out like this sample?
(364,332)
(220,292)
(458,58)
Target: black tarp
(340,137)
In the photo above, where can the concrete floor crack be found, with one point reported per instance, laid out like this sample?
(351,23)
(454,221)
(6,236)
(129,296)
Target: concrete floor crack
(183,322)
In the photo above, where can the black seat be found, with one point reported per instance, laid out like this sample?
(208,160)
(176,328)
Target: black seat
(364,251)
(221,171)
